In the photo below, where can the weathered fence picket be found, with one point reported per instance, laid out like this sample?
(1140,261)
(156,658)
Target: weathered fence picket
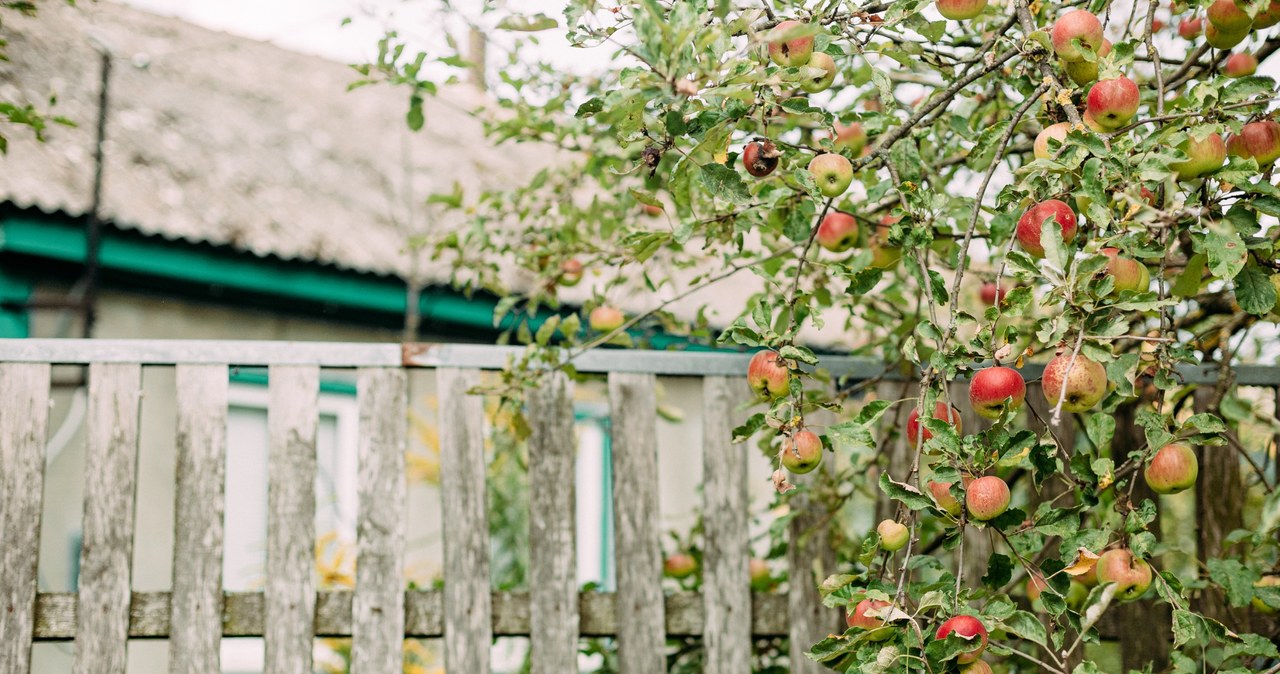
(292,418)
(553,583)
(198,522)
(468,623)
(633,410)
(111,465)
(378,604)
(24,420)
(726,588)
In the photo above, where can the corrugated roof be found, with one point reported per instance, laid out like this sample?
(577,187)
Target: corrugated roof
(221,139)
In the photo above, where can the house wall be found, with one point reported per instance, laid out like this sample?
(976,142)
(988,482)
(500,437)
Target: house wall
(134,315)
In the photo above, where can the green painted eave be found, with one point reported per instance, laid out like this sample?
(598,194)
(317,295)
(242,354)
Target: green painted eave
(203,269)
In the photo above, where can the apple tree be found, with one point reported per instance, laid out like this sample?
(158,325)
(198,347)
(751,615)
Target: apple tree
(956,188)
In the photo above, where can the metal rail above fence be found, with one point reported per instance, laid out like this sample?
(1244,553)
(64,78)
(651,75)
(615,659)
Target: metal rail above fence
(252,353)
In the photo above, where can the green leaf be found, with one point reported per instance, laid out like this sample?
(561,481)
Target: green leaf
(749,428)
(527,24)
(1254,291)
(1226,253)
(1186,627)
(1188,283)
(1025,625)
(907,494)
(416,117)
(999,571)
(590,108)
(724,182)
(1235,578)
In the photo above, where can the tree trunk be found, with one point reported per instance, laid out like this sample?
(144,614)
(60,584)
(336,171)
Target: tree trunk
(1219,496)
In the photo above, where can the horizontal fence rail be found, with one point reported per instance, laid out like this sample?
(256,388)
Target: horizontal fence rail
(251,353)
(243,615)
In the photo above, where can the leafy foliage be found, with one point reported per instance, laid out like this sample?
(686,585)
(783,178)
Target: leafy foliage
(1165,261)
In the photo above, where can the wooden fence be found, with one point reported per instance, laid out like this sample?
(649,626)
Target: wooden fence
(378,614)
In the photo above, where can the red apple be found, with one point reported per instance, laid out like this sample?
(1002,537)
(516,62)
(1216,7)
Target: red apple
(802,452)
(990,293)
(942,496)
(976,667)
(570,272)
(1157,25)
(833,173)
(1228,17)
(1204,156)
(651,210)
(1131,575)
(859,618)
(787,50)
(1056,132)
(1113,102)
(1223,39)
(960,9)
(760,157)
(1260,140)
(1241,64)
(1267,17)
(967,627)
(1129,274)
(1093,124)
(1085,382)
(1078,24)
(1173,469)
(1036,585)
(1190,29)
(1028,231)
(1090,577)
(986,498)
(940,411)
(822,82)
(838,232)
(852,137)
(893,535)
(767,375)
(605,319)
(679,566)
(992,387)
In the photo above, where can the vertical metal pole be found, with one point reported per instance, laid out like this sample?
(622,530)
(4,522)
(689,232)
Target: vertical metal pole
(93,225)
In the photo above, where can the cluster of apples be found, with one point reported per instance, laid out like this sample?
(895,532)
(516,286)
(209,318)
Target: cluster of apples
(769,377)
(869,615)
(832,171)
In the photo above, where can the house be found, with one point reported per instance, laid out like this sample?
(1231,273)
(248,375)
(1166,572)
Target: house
(245,194)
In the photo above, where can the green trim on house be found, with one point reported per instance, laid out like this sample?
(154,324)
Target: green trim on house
(259,378)
(15,291)
(211,272)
